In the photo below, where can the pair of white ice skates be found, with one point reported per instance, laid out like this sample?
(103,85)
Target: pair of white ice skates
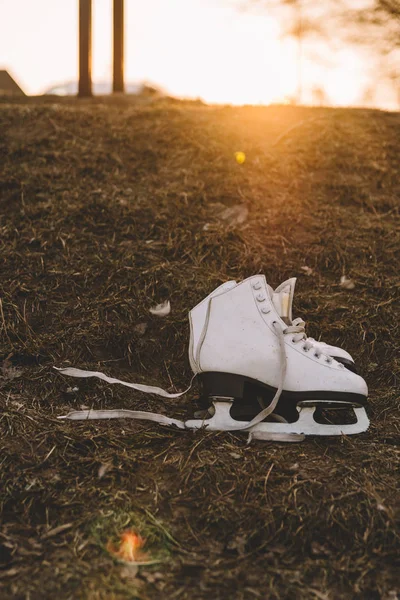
(259,372)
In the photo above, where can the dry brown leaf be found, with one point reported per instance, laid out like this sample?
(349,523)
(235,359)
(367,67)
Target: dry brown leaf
(235,455)
(235,215)
(346,283)
(9,372)
(103,469)
(161,310)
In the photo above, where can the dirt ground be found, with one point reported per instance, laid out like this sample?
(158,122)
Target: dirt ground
(110,207)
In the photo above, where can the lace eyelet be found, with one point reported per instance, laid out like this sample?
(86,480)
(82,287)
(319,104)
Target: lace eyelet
(305,349)
(316,355)
(293,341)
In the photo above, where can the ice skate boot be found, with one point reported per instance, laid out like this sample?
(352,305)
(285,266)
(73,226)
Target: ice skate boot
(247,357)
(283,301)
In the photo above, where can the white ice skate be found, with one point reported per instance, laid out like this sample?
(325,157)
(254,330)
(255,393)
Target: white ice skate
(241,348)
(253,366)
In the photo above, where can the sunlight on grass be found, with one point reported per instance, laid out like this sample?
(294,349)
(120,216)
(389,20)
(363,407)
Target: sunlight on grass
(109,526)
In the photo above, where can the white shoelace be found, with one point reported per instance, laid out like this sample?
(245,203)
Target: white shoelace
(296,329)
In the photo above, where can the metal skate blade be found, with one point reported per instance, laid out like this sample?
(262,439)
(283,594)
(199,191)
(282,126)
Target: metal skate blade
(306,424)
(309,426)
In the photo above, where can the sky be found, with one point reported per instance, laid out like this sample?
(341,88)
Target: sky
(190,48)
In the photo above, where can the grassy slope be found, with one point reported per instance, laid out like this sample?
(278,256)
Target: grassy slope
(102,214)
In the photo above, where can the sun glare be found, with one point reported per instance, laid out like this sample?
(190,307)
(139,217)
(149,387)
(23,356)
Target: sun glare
(243,64)
(221,57)
(203,49)
(193,49)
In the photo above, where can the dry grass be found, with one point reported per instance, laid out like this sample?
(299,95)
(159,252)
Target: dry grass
(103,207)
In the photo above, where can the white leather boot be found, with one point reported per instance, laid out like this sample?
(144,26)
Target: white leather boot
(282,298)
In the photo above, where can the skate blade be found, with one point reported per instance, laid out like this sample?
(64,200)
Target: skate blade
(305,425)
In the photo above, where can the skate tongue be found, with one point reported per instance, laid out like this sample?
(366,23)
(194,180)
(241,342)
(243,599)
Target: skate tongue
(282,299)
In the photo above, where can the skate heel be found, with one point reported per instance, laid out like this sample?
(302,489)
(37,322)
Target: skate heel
(222,385)
(245,395)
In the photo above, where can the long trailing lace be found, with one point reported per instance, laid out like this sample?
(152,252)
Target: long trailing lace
(298,334)
(79,415)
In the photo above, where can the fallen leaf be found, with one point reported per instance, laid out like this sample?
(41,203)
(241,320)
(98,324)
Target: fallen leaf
(103,469)
(346,283)
(307,270)
(235,215)
(9,372)
(161,310)
(294,467)
(235,455)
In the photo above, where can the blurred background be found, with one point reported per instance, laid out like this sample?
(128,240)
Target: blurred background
(330,52)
